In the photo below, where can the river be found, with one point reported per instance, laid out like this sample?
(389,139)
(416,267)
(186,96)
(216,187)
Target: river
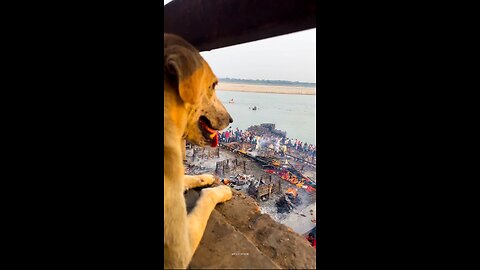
(294,114)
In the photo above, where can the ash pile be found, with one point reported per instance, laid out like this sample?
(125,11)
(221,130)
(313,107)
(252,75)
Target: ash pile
(200,160)
(238,181)
(260,189)
(194,169)
(288,202)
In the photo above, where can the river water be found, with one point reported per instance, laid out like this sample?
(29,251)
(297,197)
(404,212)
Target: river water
(294,114)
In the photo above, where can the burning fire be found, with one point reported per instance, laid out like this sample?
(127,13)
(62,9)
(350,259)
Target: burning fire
(292,191)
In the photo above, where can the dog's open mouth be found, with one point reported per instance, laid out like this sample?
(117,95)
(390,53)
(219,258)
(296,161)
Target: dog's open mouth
(210,134)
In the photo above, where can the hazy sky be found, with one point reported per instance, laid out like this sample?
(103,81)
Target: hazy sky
(289,57)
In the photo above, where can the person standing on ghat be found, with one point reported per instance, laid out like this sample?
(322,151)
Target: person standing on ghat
(277,146)
(227,136)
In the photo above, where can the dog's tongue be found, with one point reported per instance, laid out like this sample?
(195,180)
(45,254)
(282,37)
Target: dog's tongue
(215,140)
(213,134)
(211,130)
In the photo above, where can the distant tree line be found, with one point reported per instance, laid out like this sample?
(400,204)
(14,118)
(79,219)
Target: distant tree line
(269,82)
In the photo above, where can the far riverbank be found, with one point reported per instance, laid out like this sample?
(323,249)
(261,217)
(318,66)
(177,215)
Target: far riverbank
(274,89)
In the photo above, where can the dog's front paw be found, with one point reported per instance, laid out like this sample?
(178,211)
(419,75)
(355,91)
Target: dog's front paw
(227,193)
(221,193)
(205,179)
(196,181)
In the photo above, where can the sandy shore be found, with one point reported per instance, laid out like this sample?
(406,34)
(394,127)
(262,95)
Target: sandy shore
(222,86)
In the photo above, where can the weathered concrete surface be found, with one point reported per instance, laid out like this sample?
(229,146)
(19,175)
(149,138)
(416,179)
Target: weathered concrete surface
(303,220)
(239,236)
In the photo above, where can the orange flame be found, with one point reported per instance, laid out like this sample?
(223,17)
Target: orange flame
(292,191)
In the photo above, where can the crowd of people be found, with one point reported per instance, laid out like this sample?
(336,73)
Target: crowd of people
(281,145)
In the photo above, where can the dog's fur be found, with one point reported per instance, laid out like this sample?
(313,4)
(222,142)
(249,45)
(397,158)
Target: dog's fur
(189,94)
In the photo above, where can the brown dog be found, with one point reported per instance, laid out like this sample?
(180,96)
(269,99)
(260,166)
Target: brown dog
(191,112)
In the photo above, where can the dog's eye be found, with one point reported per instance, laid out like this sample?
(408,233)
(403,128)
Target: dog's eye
(213,85)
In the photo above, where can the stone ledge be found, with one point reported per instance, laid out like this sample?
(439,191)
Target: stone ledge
(238,227)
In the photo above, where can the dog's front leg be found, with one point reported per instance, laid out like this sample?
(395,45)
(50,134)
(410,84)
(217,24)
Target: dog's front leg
(194,181)
(198,218)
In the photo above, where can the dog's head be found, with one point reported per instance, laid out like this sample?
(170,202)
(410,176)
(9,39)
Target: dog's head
(195,85)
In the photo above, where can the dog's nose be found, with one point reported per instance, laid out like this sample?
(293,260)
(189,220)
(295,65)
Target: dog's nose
(231,120)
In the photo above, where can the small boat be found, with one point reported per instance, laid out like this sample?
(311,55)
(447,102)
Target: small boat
(231,101)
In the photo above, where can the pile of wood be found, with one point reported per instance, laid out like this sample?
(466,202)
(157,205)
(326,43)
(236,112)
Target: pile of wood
(267,129)
(264,189)
(259,130)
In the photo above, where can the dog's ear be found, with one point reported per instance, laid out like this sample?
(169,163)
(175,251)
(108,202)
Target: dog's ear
(185,69)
